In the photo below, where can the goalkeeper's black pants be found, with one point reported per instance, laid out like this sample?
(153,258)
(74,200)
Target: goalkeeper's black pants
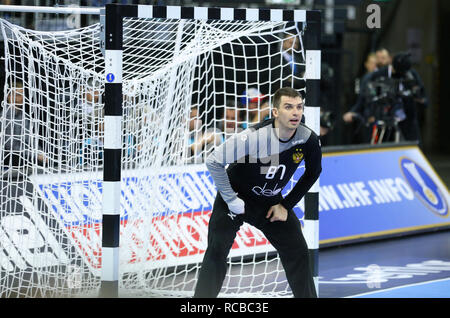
(286,237)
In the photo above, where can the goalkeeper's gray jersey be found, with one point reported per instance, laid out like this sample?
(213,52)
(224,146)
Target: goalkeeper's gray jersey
(260,164)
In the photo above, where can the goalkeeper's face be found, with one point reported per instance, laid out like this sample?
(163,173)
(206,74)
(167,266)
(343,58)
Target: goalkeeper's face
(289,113)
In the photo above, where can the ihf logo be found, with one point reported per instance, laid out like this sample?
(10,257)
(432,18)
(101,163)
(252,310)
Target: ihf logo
(424,187)
(110,77)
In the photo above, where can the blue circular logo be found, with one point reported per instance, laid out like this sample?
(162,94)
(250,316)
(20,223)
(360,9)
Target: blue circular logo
(424,187)
(110,77)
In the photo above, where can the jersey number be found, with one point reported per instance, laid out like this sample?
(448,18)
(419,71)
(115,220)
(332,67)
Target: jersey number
(273,170)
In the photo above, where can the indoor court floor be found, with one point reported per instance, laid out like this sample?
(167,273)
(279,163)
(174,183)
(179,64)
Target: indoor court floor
(412,266)
(416,266)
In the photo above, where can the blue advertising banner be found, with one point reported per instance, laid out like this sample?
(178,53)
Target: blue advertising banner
(364,194)
(379,192)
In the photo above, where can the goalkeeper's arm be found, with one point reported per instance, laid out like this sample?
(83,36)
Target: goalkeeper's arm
(313,168)
(216,163)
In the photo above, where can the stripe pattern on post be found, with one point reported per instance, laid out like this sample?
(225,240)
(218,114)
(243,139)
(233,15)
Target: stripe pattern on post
(112,154)
(312,120)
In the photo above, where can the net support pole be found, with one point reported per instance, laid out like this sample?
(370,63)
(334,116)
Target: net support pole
(312,120)
(112,152)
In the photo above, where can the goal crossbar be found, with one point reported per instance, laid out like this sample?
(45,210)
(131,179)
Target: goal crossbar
(55,10)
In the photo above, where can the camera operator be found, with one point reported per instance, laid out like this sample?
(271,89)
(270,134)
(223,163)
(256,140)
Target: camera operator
(391,96)
(355,115)
(412,92)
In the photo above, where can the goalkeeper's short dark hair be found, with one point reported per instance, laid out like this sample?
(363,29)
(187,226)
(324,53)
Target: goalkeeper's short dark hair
(284,91)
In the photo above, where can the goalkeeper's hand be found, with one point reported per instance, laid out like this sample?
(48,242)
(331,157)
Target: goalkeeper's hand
(277,213)
(237,206)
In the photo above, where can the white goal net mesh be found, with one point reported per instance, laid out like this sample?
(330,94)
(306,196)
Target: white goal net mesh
(187,86)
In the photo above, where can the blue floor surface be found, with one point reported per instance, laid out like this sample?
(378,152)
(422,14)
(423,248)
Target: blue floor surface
(412,266)
(433,289)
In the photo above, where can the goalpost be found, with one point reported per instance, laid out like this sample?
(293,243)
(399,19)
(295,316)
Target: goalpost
(107,192)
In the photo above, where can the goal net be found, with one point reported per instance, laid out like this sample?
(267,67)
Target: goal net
(187,85)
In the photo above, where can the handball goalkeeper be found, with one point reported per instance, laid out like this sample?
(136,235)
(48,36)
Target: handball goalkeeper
(261,160)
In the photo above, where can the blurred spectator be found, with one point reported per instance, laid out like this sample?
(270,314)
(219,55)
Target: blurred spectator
(370,65)
(393,94)
(21,146)
(355,116)
(88,130)
(256,105)
(383,57)
(91,101)
(288,66)
(92,150)
(201,140)
(232,121)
